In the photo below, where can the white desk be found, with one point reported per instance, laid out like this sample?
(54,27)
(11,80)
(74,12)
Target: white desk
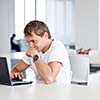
(49,92)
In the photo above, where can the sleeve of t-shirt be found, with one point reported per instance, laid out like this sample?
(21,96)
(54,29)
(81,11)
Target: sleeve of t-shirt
(27,59)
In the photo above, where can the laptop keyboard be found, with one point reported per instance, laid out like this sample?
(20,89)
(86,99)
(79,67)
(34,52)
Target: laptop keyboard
(14,82)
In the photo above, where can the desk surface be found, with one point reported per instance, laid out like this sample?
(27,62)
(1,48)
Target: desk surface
(48,92)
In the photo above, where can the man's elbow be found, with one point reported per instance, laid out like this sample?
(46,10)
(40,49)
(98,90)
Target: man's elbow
(49,80)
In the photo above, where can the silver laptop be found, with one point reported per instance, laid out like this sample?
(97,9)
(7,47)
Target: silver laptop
(5,77)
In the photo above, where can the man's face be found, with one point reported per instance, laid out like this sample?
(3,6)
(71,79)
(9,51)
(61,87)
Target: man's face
(36,41)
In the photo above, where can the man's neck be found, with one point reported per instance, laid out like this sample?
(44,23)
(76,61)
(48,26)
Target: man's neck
(49,42)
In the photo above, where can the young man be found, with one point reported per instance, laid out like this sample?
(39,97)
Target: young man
(48,55)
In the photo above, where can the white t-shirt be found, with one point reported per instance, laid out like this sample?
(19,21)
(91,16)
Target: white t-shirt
(56,52)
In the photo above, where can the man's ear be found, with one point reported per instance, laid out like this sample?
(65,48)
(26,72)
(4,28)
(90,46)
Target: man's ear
(46,35)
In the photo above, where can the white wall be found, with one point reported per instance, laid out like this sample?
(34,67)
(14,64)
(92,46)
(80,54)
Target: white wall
(6,25)
(59,20)
(85,21)
(11,16)
(99,21)
(86,24)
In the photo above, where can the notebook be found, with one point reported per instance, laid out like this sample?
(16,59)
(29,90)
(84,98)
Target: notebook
(5,76)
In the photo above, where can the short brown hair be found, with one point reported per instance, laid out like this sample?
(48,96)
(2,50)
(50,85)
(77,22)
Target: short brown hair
(38,27)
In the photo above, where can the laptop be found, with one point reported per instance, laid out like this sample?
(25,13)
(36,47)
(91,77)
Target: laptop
(5,76)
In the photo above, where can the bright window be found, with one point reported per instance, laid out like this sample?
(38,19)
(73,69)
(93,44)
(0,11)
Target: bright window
(25,11)
(19,18)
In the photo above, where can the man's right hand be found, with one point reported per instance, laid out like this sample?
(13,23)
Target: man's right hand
(16,76)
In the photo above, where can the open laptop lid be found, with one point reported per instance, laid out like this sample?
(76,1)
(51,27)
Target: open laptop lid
(4,72)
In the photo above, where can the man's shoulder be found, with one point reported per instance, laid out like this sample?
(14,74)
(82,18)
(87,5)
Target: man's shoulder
(58,42)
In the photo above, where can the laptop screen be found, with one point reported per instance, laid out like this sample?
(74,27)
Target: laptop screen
(4,72)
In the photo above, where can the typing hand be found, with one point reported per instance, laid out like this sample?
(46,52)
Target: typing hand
(16,76)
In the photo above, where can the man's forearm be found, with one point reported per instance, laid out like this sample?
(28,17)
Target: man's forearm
(44,71)
(19,67)
(14,70)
